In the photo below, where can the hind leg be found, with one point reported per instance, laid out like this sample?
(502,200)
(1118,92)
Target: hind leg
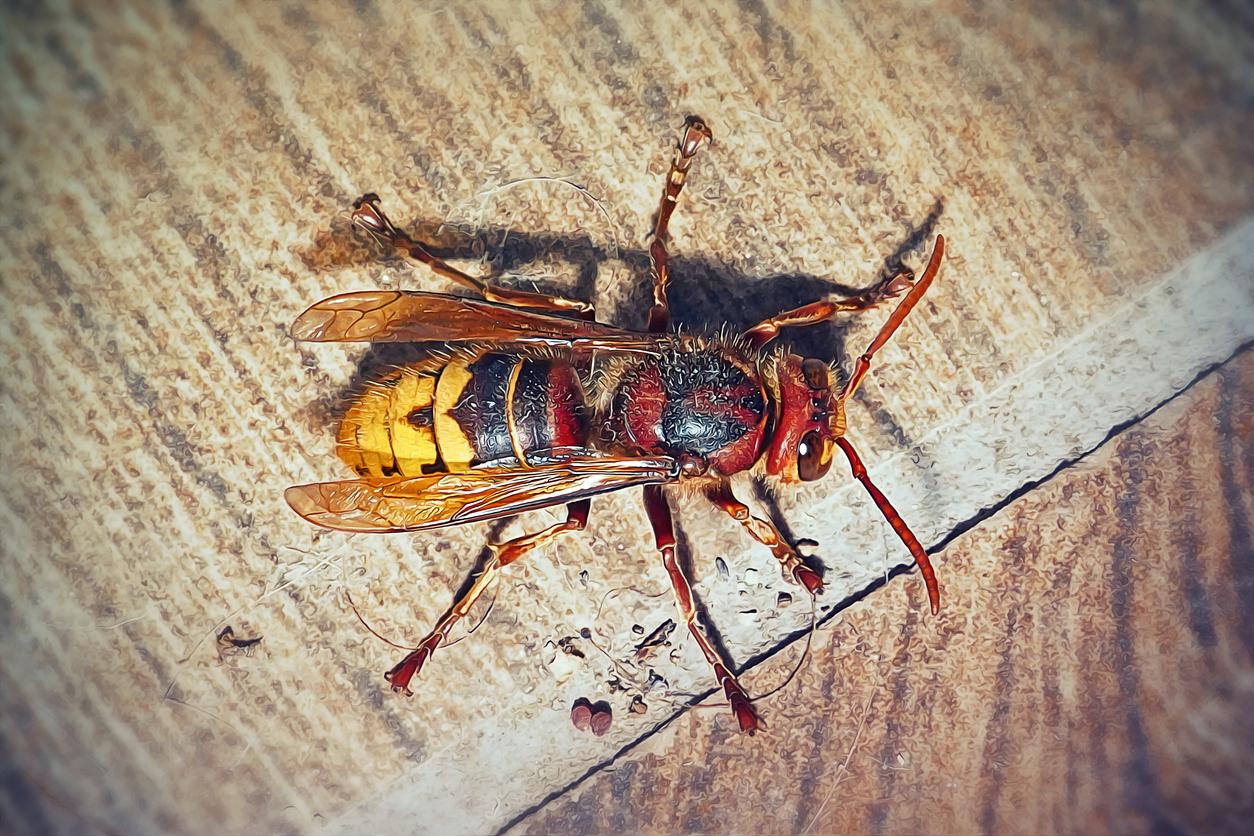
(369,216)
(502,555)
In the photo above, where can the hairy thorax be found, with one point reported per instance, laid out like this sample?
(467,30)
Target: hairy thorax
(699,399)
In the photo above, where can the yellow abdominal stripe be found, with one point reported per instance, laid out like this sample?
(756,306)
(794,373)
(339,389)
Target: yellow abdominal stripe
(454,443)
(377,437)
(413,446)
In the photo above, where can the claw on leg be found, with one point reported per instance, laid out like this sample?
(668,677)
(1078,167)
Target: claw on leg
(411,665)
(807,577)
(897,285)
(741,706)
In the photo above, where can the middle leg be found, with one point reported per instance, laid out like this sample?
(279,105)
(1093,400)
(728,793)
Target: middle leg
(502,555)
(369,216)
(664,534)
(767,534)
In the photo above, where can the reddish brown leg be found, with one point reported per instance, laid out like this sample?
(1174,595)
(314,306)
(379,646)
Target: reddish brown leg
(502,555)
(368,216)
(767,534)
(695,134)
(664,533)
(823,310)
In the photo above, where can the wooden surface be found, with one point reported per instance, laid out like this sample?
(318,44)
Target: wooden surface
(175,187)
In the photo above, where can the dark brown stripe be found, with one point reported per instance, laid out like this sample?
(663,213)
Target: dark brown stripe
(252,84)
(1233,461)
(997,730)
(1187,540)
(1140,783)
(894,725)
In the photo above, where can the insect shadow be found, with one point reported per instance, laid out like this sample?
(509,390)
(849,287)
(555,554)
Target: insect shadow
(703,294)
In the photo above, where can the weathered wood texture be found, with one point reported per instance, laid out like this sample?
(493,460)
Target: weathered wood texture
(1094,674)
(174,187)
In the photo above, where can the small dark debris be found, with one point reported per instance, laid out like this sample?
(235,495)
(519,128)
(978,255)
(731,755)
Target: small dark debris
(637,629)
(567,645)
(721,565)
(783,599)
(228,644)
(617,685)
(655,639)
(638,706)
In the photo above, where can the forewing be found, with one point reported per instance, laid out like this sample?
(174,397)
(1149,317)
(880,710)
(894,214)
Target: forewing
(416,316)
(482,493)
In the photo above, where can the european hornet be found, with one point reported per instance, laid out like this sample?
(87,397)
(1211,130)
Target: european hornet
(509,418)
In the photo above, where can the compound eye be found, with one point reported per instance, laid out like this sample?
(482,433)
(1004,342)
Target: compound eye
(813,457)
(817,374)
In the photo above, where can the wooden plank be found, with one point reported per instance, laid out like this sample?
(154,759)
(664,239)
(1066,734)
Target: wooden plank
(175,191)
(1092,673)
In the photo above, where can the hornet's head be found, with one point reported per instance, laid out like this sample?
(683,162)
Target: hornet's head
(808,418)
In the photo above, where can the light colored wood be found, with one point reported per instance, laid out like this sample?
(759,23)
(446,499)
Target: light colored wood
(175,187)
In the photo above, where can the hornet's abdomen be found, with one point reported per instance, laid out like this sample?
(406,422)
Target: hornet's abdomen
(701,402)
(447,415)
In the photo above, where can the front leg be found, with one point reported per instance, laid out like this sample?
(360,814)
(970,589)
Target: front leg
(825,309)
(765,532)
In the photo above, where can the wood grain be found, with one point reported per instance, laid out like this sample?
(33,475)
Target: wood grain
(175,187)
